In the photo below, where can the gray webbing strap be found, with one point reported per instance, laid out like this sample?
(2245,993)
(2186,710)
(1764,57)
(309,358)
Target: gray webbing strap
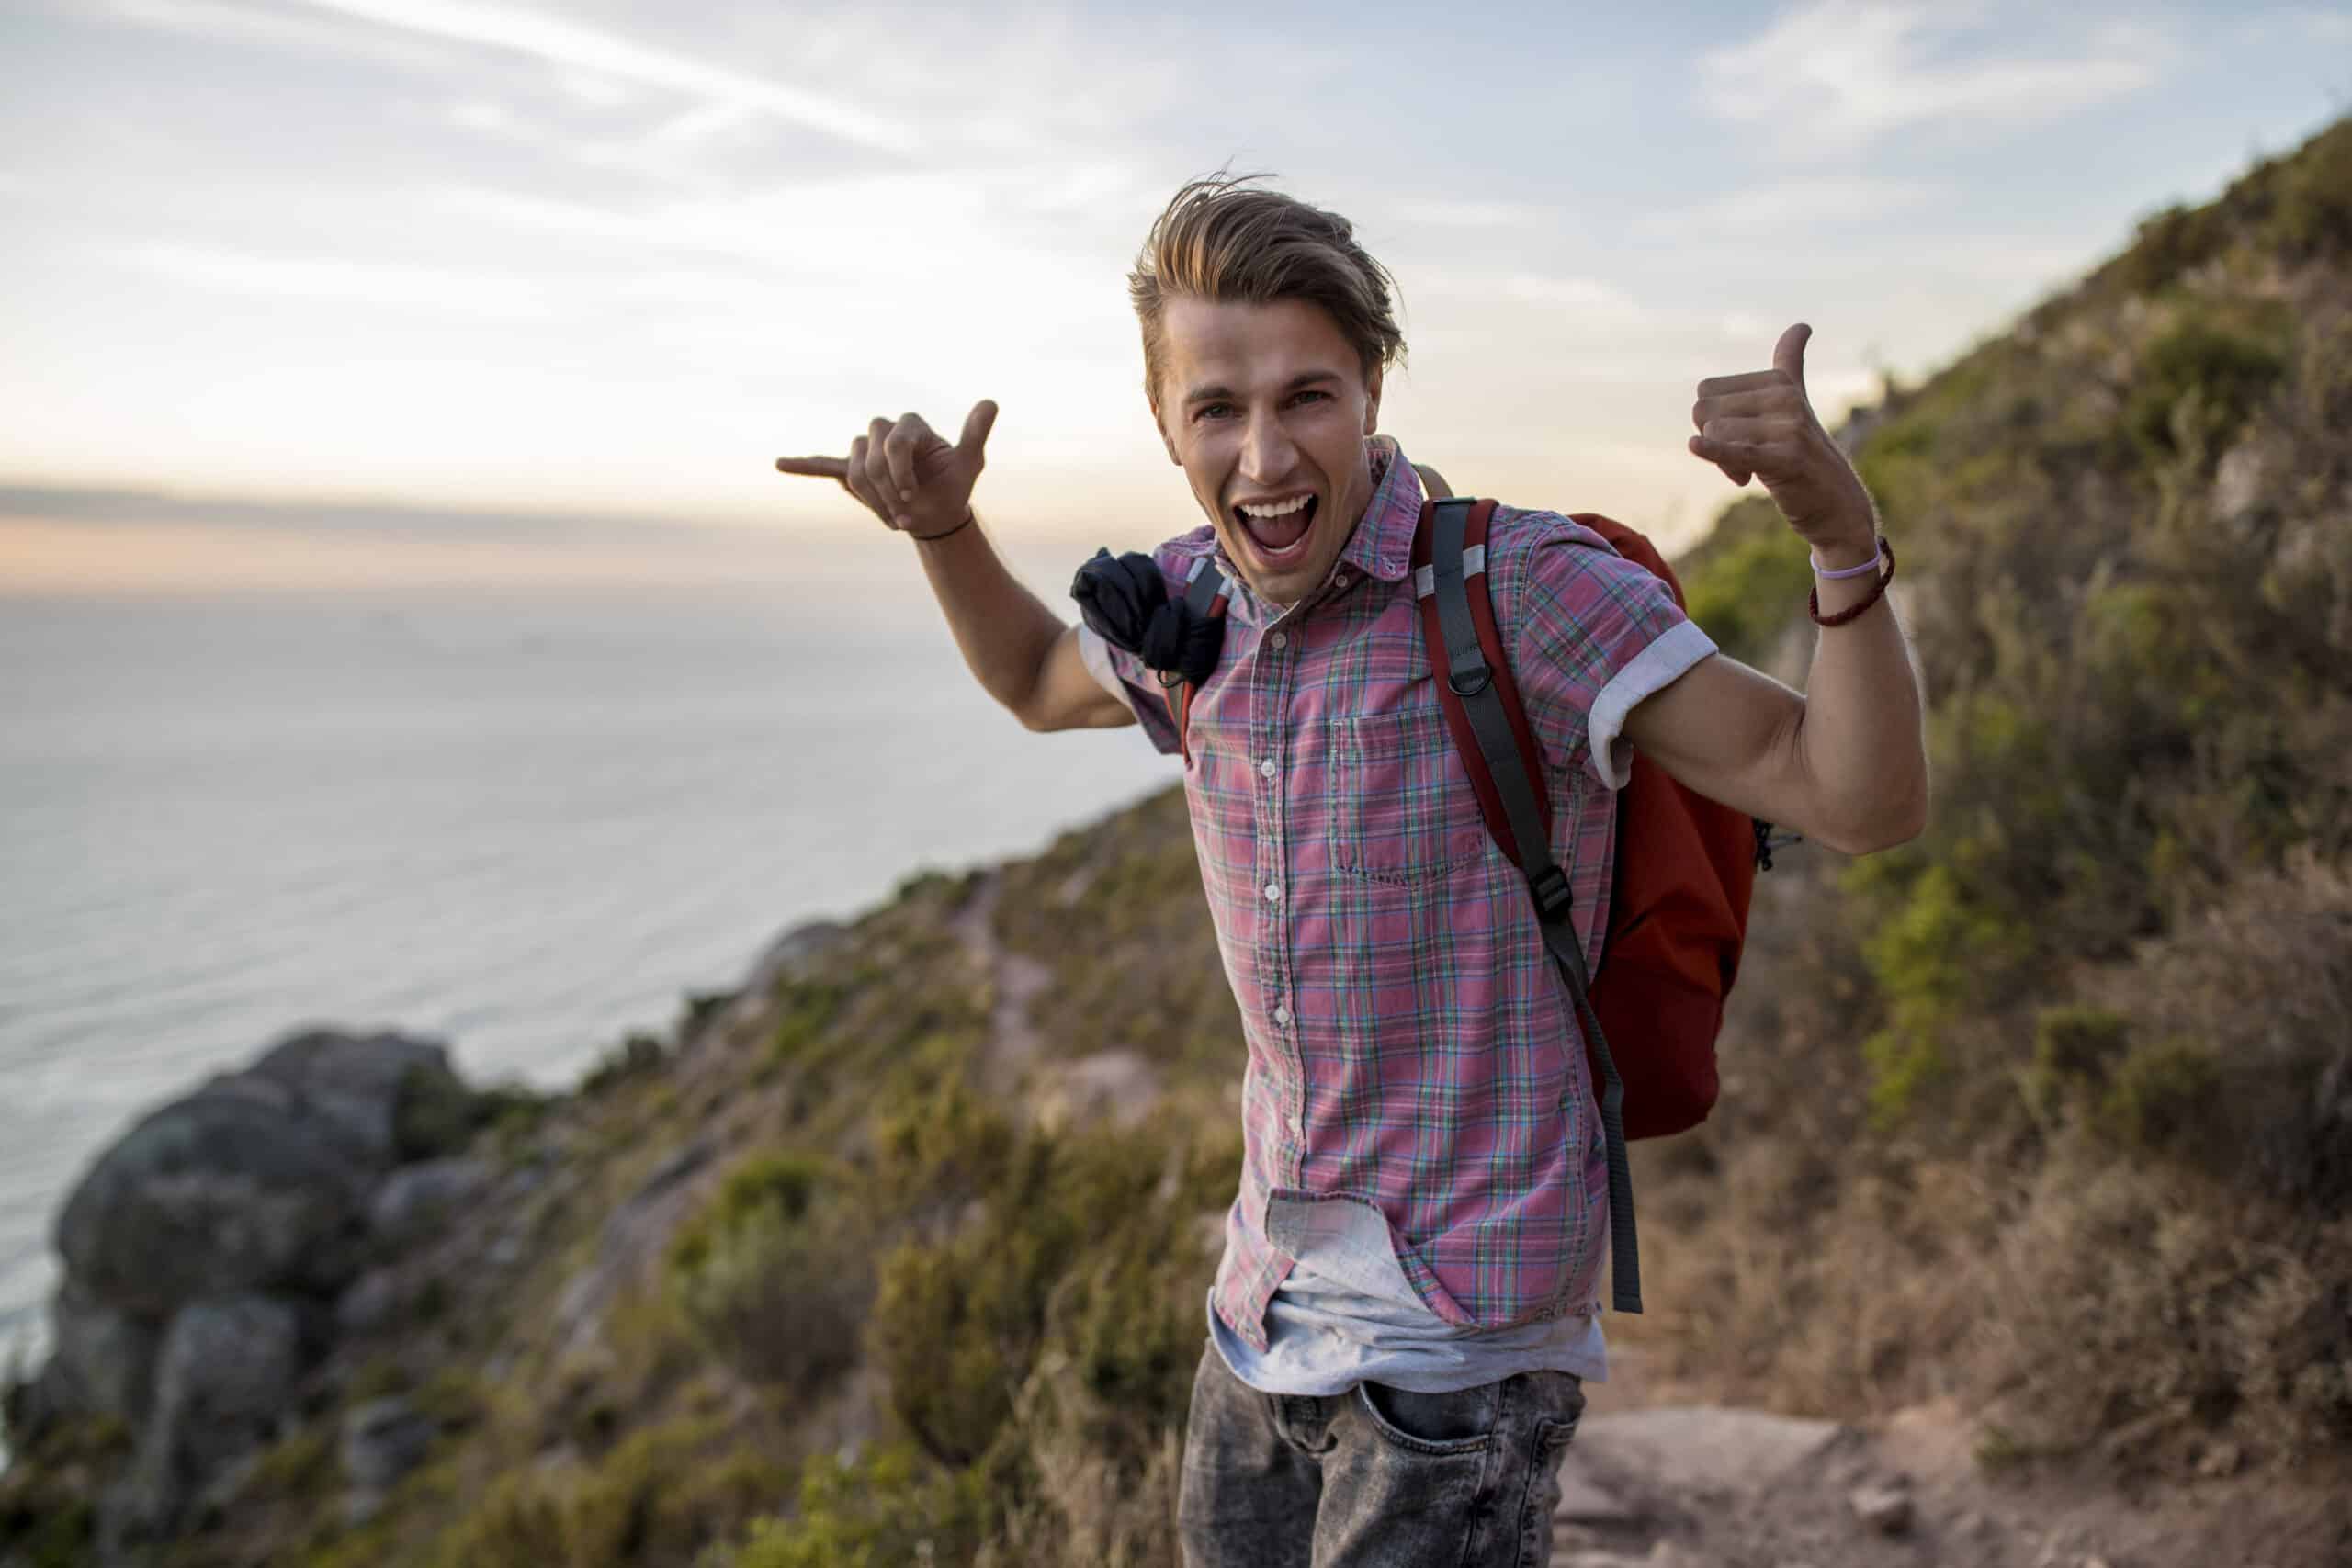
(1472,681)
(1206,584)
(1465,664)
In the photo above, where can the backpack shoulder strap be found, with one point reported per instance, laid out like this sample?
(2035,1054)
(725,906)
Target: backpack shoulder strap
(1488,722)
(1204,595)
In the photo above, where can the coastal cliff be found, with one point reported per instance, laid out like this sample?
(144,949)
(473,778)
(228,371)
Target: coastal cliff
(2030,1184)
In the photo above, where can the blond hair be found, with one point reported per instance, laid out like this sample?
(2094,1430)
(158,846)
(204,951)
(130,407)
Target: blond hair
(1223,238)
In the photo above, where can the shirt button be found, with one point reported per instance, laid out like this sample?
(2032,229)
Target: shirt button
(1273,892)
(1297,1128)
(1282,1016)
(1341,581)
(1267,768)
(1280,639)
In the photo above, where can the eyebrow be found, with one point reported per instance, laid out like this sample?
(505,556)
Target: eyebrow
(1215,393)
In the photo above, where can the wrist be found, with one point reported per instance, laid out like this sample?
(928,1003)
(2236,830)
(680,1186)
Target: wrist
(971,517)
(1850,554)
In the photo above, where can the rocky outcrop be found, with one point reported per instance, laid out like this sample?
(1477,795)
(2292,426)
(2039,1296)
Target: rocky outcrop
(204,1251)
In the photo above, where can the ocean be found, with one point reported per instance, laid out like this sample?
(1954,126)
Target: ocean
(523,824)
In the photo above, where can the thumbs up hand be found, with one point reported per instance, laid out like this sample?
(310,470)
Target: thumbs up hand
(906,473)
(1762,424)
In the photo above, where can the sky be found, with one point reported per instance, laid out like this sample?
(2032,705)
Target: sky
(325,294)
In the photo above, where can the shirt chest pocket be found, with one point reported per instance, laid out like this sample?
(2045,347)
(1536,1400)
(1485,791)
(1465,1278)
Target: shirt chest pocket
(1400,805)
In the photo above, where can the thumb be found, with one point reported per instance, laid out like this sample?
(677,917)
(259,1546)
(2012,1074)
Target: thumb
(1788,353)
(977,425)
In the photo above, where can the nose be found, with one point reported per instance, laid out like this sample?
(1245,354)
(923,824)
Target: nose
(1267,451)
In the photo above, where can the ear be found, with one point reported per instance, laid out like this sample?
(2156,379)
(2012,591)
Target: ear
(1372,402)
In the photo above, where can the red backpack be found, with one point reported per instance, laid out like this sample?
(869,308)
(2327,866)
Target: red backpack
(1678,908)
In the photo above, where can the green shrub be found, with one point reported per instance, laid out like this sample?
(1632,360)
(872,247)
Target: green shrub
(47,1532)
(2073,1047)
(699,1008)
(2310,214)
(1079,1244)
(519,1523)
(660,1498)
(1747,584)
(773,1277)
(1931,959)
(434,1115)
(379,1377)
(934,1152)
(2197,383)
(783,1182)
(2160,1096)
(300,1465)
(15,1401)
(783,1302)
(2173,241)
(882,1511)
(637,1057)
(665,1495)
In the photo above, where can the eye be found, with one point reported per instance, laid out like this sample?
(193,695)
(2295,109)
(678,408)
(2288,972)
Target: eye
(1312,396)
(1212,411)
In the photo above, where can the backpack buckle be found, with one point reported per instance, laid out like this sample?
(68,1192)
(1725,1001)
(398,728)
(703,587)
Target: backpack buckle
(1550,886)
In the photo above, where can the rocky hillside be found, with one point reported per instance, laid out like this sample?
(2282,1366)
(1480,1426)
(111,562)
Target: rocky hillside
(2030,1175)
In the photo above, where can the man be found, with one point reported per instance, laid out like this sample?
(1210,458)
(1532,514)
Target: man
(1408,1299)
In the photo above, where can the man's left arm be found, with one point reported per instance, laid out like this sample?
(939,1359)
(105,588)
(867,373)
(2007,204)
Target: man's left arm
(1846,762)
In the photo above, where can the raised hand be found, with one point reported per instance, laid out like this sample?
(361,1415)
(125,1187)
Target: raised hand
(906,473)
(1762,424)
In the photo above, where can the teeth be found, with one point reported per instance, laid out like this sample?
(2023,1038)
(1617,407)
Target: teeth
(1278,509)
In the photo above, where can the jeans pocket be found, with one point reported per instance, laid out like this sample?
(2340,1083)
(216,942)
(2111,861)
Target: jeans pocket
(1460,1422)
(1542,1498)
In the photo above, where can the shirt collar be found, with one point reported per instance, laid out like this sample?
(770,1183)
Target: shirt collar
(1382,545)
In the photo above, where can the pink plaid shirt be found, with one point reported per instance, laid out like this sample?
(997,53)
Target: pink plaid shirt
(1410,1047)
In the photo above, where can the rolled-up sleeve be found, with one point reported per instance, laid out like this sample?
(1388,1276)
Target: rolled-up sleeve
(1123,675)
(1597,634)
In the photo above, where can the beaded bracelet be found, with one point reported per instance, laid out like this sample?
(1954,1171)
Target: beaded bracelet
(1878,591)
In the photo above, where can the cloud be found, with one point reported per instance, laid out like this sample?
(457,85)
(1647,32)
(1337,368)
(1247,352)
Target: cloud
(1453,214)
(219,19)
(1588,299)
(1832,73)
(2322,27)
(589,62)
(1789,206)
(331,278)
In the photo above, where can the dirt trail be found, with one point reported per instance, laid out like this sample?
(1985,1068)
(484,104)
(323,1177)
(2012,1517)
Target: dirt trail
(1115,1083)
(1669,1485)
(1016,981)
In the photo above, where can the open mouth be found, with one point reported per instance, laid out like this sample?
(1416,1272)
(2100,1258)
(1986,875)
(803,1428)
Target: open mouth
(1279,532)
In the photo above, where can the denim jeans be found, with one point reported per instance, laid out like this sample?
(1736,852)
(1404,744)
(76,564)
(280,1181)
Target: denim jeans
(1378,1477)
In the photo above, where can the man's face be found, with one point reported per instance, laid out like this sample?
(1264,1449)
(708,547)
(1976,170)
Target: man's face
(1266,408)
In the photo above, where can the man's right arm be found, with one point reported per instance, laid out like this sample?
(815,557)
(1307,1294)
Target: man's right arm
(1019,650)
(919,484)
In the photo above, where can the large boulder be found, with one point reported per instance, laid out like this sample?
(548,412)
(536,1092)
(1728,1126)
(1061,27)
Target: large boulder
(258,1181)
(220,1192)
(417,1200)
(228,1367)
(380,1092)
(102,1362)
